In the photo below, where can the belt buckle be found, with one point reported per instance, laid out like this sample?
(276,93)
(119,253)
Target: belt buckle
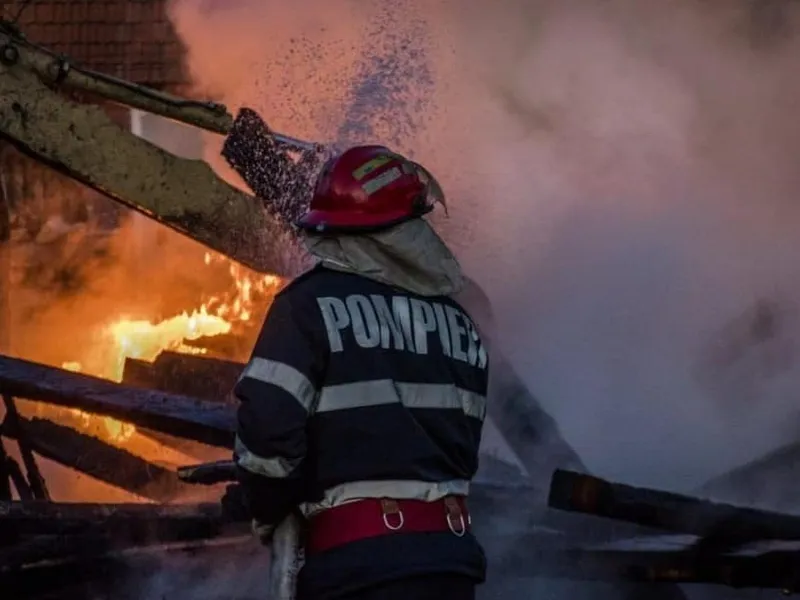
(455,516)
(391,507)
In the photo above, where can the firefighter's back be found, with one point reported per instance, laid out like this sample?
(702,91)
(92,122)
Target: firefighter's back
(393,438)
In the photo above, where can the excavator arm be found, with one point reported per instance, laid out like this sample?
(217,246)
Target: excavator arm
(81,141)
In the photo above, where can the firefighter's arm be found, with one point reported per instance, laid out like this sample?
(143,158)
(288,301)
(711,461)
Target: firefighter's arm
(276,391)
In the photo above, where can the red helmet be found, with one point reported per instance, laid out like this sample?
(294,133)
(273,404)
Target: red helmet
(368,188)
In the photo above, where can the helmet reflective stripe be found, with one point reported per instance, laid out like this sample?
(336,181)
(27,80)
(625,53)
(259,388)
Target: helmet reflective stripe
(381,181)
(370,166)
(369,188)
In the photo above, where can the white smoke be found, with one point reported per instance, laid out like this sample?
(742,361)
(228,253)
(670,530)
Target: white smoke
(622,176)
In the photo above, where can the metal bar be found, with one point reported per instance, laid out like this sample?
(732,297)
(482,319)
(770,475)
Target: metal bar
(56,70)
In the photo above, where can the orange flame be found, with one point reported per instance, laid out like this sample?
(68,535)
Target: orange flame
(146,340)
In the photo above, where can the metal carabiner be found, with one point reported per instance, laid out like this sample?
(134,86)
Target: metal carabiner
(391,527)
(454,514)
(390,507)
(462,526)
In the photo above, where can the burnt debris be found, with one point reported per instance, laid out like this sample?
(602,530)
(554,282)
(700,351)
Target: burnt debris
(723,545)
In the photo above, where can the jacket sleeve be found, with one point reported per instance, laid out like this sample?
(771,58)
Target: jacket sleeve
(276,390)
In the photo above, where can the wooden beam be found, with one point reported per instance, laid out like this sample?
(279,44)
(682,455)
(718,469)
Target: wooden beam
(82,547)
(221,471)
(129,523)
(719,525)
(85,572)
(14,423)
(12,474)
(97,459)
(181,416)
(663,560)
(200,377)
(5,474)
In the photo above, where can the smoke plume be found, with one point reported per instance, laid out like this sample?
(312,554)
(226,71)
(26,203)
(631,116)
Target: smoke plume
(623,183)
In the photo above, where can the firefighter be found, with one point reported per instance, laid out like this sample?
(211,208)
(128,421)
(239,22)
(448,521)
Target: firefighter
(364,399)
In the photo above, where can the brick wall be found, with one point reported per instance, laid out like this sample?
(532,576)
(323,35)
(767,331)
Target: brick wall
(131,39)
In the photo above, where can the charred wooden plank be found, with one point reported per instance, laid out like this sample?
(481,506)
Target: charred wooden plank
(206,422)
(725,523)
(529,430)
(35,479)
(542,559)
(5,474)
(82,547)
(199,377)
(11,470)
(769,480)
(95,575)
(127,524)
(221,471)
(97,578)
(660,560)
(41,548)
(99,460)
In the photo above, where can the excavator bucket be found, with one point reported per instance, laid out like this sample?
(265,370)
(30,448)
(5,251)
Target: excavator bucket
(275,166)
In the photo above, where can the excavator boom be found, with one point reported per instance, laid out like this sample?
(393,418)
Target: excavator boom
(81,141)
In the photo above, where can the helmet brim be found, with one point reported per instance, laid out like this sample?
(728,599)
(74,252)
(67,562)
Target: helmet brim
(434,192)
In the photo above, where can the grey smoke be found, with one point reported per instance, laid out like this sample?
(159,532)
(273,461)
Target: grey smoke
(622,175)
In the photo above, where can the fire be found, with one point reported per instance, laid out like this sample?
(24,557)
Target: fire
(146,340)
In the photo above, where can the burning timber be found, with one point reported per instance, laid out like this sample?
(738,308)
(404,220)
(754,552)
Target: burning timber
(557,553)
(93,457)
(196,376)
(131,523)
(209,423)
(54,532)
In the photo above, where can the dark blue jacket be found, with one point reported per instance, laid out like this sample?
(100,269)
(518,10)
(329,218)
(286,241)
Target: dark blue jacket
(357,389)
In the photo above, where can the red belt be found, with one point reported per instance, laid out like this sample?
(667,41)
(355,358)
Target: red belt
(374,517)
